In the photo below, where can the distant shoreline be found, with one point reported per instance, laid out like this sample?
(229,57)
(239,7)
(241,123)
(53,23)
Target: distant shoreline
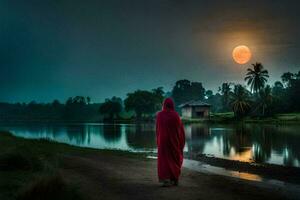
(287,118)
(221,118)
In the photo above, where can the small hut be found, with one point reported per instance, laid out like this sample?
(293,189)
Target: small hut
(195,109)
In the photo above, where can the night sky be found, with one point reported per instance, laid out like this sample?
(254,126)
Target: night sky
(57,49)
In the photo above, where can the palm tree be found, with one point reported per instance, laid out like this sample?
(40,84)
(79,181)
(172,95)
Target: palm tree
(240,100)
(256,77)
(287,78)
(265,98)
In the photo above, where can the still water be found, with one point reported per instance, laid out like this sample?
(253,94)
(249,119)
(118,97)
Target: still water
(247,142)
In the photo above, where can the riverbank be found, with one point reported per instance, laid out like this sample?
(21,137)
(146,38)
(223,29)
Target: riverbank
(41,169)
(228,117)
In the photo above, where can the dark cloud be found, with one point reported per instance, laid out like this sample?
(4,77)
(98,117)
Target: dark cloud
(55,49)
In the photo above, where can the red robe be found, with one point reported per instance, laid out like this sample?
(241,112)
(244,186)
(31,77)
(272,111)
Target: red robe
(170,138)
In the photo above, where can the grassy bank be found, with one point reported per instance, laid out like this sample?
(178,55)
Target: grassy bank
(31,169)
(286,118)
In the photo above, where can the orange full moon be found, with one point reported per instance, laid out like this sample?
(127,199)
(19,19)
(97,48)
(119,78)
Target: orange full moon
(241,54)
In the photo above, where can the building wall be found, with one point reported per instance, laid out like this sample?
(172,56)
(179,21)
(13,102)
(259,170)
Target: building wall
(186,112)
(193,112)
(205,111)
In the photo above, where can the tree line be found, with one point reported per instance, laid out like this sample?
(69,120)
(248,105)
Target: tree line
(255,98)
(75,108)
(260,99)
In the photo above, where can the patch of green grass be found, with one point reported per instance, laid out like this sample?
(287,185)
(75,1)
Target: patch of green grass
(30,167)
(225,114)
(229,117)
(288,117)
(23,161)
(222,117)
(49,187)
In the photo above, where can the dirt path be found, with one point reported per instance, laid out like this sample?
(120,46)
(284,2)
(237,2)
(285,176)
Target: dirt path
(103,176)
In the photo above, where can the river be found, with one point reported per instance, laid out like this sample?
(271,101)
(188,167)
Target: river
(244,142)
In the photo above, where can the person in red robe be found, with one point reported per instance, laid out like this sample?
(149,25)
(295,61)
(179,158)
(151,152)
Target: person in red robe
(170,138)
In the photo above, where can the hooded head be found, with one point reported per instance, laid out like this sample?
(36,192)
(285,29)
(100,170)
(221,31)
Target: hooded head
(168,104)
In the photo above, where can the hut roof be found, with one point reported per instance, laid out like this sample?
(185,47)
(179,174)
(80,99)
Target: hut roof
(194,103)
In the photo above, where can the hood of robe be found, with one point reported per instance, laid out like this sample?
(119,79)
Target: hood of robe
(168,105)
